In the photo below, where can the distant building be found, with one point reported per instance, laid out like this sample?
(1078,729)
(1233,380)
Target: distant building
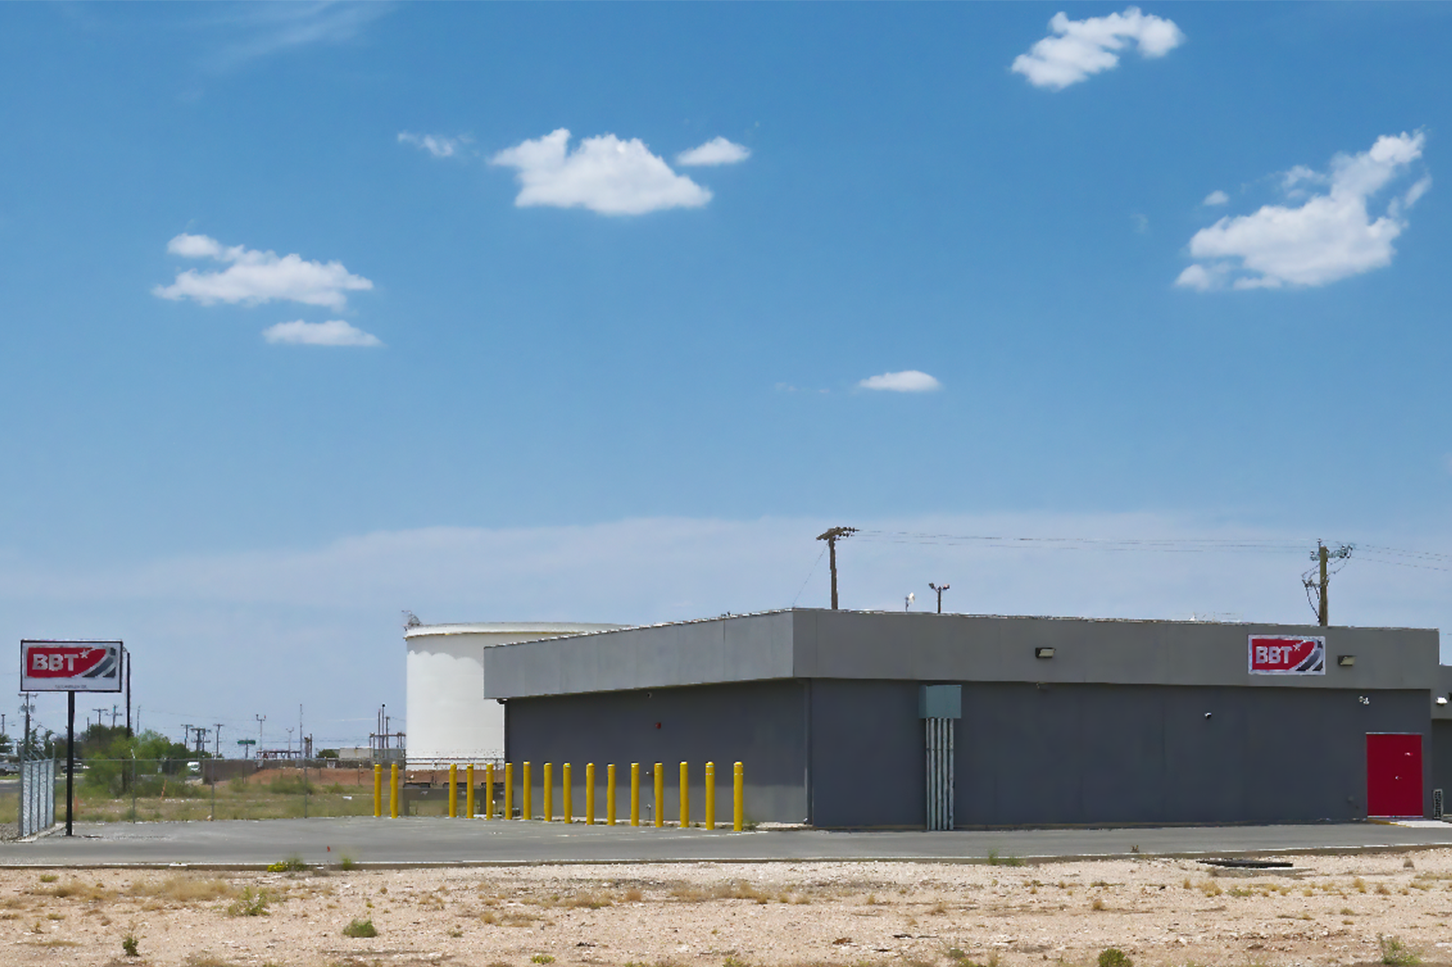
(448,718)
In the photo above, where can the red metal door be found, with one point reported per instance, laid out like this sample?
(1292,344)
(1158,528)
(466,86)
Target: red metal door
(1393,774)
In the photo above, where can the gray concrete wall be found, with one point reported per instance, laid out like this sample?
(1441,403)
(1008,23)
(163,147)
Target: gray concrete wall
(1441,756)
(810,643)
(932,647)
(762,725)
(1084,754)
(745,648)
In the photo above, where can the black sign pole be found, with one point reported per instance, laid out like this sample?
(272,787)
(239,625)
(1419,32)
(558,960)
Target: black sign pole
(70,755)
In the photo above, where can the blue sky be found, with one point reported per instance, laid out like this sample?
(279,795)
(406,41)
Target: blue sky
(1192,294)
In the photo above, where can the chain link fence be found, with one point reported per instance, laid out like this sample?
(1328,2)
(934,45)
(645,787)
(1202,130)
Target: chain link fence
(29,796)
(152,790)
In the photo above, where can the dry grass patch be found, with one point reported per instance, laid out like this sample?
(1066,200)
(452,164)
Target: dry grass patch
(77,890)
(184,889)
(730,890)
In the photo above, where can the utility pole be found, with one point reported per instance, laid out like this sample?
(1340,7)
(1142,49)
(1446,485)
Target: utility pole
(99,723)
(940,588)
(260,719)
(217,741)
(831,536)
(27,708)
(1316,588)
(186,735)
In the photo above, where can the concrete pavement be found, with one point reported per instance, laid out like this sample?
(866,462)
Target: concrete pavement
(429,841)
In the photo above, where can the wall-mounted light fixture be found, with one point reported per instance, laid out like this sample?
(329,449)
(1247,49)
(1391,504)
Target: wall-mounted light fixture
(1363,700)
(1441,699)
(1043,653)
(1345,661)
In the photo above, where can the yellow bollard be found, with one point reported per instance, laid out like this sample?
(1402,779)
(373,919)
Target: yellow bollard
(393,791)
(566,794)
(509,790)
(469,791)
(549,792)
(685,796)
(738,788)
(453,790)
(489,790)
(659,774)
(525,794)
(610,794)
(377,790)
(635,794)
(710,795)
(589,794)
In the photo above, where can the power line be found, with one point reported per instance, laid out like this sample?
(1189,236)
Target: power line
(1174,544)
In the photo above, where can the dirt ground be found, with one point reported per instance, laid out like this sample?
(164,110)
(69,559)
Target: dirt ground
(1341,910)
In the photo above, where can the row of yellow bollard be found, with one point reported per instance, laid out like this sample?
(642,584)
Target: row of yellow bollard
(567,789)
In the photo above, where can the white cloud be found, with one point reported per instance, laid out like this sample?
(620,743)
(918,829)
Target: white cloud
(265,29)
(603,174)
(1083,47)
(907,381)
(717,151)
(435,144)
(255,277)
(1331,236)
(334,332)
(1216,197)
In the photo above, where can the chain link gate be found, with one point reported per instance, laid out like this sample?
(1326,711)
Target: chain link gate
(36,811)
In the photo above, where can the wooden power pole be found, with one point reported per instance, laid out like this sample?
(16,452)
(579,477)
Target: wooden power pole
(831,536)
(1323,556)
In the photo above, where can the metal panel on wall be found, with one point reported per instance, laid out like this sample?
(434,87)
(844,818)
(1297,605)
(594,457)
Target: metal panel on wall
(1393,774)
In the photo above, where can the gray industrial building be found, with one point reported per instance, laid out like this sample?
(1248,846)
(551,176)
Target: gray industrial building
(870,719)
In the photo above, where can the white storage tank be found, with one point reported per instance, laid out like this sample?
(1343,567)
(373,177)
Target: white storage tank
(448,717)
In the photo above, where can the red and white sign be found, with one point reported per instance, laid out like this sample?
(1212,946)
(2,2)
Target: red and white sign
(1287,656)
(70,666)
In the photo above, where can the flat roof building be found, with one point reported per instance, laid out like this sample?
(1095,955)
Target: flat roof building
(886,719)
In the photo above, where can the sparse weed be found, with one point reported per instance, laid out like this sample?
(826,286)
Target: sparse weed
(252,903)
(1114,957)
(360,928)
(49,877)
(131,943)
(293,864)
(1394,953)
(541,959)
(347,862)
(1097,904)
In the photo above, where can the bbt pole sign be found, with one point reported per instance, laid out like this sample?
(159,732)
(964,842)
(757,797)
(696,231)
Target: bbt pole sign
(70,666)
(1287,656)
